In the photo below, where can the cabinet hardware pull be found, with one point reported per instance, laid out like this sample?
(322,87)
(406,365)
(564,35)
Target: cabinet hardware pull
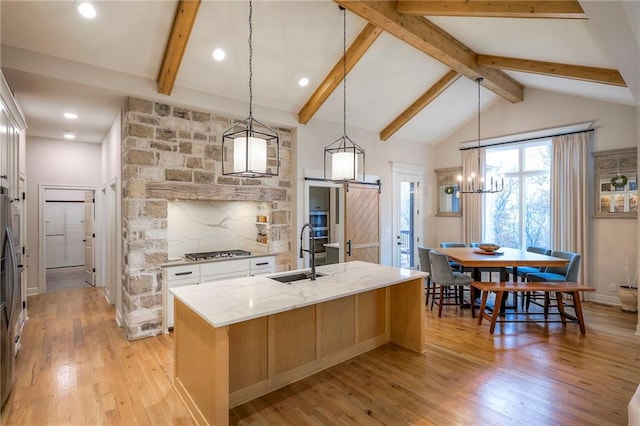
(184,273)
(262,263)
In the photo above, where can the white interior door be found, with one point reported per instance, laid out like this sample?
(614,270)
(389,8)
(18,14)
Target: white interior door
(89,237)
(407,216)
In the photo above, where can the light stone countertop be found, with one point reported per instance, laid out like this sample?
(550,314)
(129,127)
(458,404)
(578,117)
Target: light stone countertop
(235,300)
(183,261)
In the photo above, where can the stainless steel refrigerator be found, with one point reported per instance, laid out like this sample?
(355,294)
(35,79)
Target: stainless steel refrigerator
(9,298)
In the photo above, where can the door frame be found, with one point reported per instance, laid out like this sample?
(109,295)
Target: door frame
(42,264)
(312,182)
(399,170)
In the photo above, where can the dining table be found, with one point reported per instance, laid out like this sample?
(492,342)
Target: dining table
(477,259)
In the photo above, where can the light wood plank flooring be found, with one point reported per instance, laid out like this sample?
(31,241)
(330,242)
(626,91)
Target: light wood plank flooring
(76,367)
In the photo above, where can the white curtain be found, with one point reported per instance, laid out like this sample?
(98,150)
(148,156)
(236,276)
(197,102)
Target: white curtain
(472,203)
(569,197)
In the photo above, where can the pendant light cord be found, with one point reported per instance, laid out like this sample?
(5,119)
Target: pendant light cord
(344,71)
(250,60)
(479,80)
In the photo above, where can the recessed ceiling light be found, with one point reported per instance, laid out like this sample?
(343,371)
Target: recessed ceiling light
(86,9)
(303,81)
(218,54)
(69,136)
(70,115)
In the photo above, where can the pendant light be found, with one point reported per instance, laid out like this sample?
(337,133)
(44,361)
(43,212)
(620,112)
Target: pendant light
(478,184)
(343,158)
(248,145)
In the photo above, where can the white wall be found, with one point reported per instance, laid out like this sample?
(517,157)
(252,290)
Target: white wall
(54,162)
(616,127)
(313,137)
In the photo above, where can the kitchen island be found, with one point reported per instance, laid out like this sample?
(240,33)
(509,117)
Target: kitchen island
(238,339)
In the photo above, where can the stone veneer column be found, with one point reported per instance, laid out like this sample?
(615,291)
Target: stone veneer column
(169,153)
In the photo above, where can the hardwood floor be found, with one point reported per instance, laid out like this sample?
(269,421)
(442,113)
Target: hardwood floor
(76,367)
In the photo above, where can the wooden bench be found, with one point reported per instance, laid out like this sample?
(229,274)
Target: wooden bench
(502,288)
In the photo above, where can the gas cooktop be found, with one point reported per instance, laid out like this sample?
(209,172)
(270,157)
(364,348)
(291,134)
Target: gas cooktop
(217,254)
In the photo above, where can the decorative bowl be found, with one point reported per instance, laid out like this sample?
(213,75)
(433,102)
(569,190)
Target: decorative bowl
(489,247)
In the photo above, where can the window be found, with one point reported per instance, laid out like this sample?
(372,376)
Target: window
(520,215)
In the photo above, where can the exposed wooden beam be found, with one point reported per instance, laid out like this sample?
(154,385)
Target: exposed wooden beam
(570,9)
(353,54)
(425,99)
(576,72)
(428,38)
(183,21)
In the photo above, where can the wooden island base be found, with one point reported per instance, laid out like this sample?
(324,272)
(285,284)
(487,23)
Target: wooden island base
(219,368)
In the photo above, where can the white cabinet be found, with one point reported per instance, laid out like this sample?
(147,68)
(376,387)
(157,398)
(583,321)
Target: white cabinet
(227,269)
(263,265)
(177,276)
(181,275)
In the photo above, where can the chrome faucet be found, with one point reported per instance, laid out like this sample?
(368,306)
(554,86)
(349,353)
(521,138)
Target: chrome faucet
(311,250)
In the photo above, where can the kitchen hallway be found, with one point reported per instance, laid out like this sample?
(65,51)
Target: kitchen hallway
(76,367)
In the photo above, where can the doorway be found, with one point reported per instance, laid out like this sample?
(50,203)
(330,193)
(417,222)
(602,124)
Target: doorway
(407,218)
(324,211)
(62,238)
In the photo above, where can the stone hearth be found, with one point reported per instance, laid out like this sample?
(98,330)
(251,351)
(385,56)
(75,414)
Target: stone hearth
(175,153)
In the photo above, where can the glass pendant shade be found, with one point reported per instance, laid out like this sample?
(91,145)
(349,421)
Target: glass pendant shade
(249,154)
(250,149)
(344,161)
(343,166)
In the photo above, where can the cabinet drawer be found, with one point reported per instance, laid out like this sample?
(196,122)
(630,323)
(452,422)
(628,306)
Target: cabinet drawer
(180,272)
(224,267)
(268,262)
(218,277)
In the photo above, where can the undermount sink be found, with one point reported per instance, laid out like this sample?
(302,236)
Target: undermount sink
(298,276)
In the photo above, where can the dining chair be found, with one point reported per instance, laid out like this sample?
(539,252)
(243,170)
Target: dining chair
(445,278)
(565,273)
(524,270)
(454,265)
(489,270)
(425,266)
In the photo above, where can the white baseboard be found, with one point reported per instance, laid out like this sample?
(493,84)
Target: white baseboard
(604,299)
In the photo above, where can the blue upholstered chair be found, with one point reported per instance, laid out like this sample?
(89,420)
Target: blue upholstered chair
(524,270)
(565,273)
(445,279)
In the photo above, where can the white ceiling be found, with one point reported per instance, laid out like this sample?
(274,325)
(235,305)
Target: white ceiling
(56,61)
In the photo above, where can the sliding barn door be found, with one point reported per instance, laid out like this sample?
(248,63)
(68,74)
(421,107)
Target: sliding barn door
(362,223)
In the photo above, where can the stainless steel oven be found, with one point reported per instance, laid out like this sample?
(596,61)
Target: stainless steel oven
(319,220)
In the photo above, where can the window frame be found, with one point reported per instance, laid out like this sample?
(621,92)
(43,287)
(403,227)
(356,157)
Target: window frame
(521,175)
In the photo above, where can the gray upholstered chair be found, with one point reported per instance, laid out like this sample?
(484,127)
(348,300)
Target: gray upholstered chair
(565,273)
(454,265)
(444,278)
(425,266)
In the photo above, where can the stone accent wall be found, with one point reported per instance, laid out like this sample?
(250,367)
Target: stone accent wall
(175,153)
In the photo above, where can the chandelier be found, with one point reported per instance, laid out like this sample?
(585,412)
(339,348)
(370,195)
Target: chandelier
(344,156)
(249,144)
(477,184)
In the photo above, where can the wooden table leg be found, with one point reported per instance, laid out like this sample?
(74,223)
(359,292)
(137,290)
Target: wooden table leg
(578,308)
(496,310)
(483,304)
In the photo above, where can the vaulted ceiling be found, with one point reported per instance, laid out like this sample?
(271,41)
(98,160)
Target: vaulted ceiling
(411,64)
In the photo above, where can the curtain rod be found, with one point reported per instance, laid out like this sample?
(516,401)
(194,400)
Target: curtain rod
(529,139)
